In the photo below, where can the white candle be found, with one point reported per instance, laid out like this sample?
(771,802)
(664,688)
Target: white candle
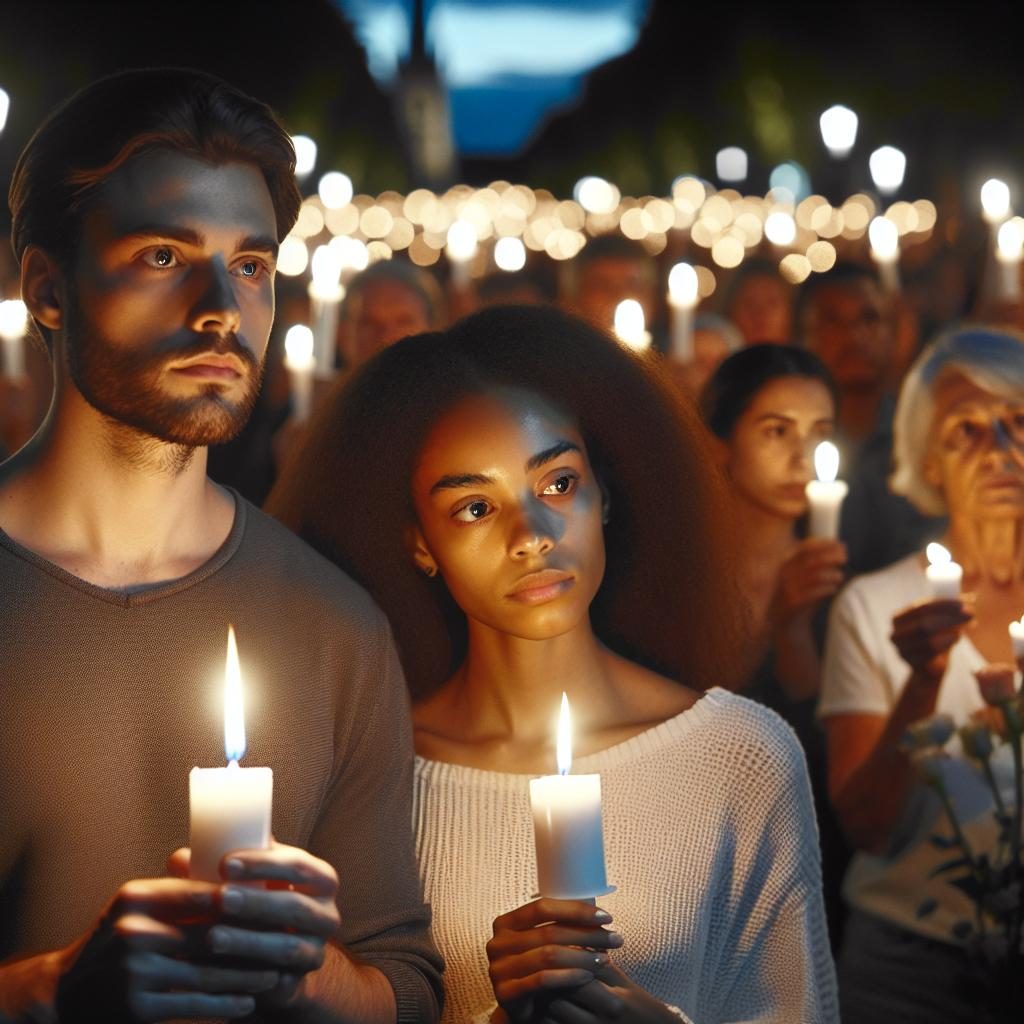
(567,827)
(944,575)
(885,251)
(13,327)
(461,249)
(683,293)
(299,346)
(325,293)
(629,325)
(229,807)
(825,495)
(1008,257)
(1017,638)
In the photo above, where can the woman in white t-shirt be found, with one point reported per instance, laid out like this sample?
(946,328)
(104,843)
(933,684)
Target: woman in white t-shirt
(895,656)
(536,510)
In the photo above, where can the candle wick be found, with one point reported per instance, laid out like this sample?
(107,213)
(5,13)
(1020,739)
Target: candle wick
(233,763)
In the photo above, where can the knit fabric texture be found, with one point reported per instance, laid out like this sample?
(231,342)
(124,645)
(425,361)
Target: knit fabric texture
(710,839)
(109,698)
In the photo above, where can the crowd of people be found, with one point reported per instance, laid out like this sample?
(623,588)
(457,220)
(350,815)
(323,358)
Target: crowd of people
(485,511)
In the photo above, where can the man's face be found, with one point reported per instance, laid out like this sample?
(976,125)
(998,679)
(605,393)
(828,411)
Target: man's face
(382,313)
(171,298)
(848,329)
(605,282)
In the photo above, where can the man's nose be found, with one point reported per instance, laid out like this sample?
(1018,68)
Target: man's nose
(216,311)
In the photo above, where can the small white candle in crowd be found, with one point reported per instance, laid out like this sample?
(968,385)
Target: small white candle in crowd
(567,826)
(825,495)
(1009,243)
(301,363)
(325,293)
(943,574)
(229,807)
(461,250)
(995,201)
(885,251)
(683,295)
(1017,638)
(629,325)
(13,328)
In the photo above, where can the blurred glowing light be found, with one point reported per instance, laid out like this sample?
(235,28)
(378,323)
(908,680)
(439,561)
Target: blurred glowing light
(888,165)
(791,177)
(335,190)
(839,130)
(326,272)
(298,347)
(510,254)
(305,155)
(5,106)
(376,222)
(630,328)
(780,228)
(688,193)
(13,319)
(731,164)
(351,253)
(795,268)
(596,195)
(885,239)
(727,252)
(683,285)
(1009,240)
(292,257)
(706,282)
(995,200)
(310,221)
(462,241)
(927,214)
(821,256)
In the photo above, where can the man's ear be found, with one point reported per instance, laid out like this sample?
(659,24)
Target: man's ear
(416,545)
(41,286)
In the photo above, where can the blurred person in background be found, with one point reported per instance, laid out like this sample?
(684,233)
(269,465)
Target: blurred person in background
(845,319)
(896,655)
(760,303)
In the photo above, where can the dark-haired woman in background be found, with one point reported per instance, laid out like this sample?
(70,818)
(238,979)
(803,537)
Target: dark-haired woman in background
(768,407)
(537,511)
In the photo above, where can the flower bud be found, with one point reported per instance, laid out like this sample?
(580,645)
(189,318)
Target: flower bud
(976,739)
(996,683)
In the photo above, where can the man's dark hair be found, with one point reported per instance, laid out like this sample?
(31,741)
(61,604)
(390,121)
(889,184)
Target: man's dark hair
(738,379)
(414,279)
(106,124)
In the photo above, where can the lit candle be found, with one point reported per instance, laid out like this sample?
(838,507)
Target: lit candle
(299,346)
(567,826)
(230,807)
(683,294)
(325,293)
(885,251)
(944,575)
(1008,255)
(461,249)
(13,327)
(1017,638)
(825,495)
(629,325)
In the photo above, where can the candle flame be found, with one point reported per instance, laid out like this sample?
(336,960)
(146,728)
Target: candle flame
(234,715)
(630,327)
(937,554)
(298,347)
(826,461)
(683,285)
(564,745)
(1009,240)
(884,237)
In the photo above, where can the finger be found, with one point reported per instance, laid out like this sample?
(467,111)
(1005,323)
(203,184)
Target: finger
(547,958)
(271,910)
(286,952)
(280,863)
(173,900)
(564,1011)
(545,910)
(146,934)
(160,1006)
(598,998)
(515,989)
(153,972)
(509,942)
(179,863)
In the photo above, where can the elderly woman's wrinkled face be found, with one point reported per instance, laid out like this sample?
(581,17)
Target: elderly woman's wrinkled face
(976,450)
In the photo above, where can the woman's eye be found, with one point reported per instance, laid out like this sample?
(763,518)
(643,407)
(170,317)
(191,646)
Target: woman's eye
(562,484)
(161,258)
(776,430)
(472,512)
(966,432)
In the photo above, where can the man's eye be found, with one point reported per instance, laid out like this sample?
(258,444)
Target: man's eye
(472,512)
(563,484)
(251,269)
(162,258)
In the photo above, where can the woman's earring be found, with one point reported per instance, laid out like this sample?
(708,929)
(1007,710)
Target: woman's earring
(429,571)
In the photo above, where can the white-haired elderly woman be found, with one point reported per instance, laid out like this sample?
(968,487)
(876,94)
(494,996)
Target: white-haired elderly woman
(894,656)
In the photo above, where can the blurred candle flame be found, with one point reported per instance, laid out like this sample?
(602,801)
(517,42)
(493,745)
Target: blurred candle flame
(564,744)
(826,461)
(937,554)
(234,714)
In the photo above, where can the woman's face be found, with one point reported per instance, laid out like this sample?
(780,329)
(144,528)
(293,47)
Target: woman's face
(976,450)
(510,513)
(770,454)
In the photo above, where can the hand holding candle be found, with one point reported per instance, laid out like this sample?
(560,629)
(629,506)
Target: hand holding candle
(825,495)
(230,807)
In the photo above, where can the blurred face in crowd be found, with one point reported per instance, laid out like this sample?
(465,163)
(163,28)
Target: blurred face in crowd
(762,310)
(382,313)
(847,327)
(171,298)
(606,282)
(770,455)
(510,512)
(709,349)
(976,450)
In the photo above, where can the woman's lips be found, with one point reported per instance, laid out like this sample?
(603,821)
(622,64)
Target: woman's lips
(537,587)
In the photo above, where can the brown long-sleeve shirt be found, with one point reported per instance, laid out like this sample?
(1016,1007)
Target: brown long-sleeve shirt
(108,699)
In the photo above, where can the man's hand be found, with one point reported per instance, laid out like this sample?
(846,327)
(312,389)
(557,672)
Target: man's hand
(925,632)
(275,913)
(144,961)
(545,946)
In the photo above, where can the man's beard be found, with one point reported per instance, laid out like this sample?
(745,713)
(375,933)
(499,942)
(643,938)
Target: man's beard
(124,385)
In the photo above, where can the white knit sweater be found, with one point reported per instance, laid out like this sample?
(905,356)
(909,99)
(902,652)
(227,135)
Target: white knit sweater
(711,839)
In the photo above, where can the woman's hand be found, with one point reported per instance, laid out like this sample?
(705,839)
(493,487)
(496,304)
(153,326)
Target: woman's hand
(544,948)
(813,572)
(925,632)
(611,996)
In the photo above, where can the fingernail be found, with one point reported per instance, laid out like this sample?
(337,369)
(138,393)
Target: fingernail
(600,960)
(231,899)
(603,916)
(615,939)
(218,941)
(235,868)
